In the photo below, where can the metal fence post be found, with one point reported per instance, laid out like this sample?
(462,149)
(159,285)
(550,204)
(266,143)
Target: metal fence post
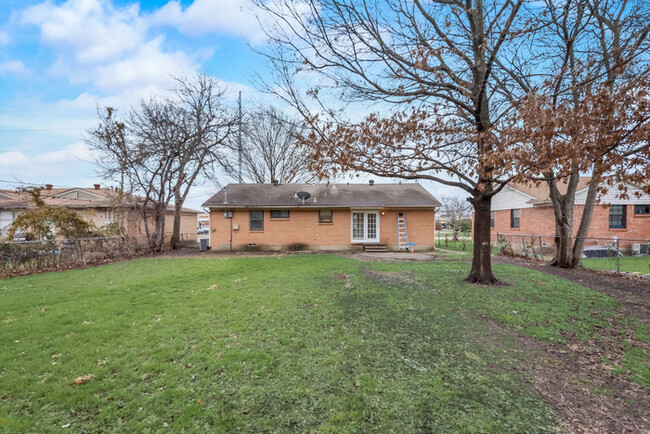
(618,258)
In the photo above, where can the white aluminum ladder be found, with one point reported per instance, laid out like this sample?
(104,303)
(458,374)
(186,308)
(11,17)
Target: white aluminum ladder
(402,236)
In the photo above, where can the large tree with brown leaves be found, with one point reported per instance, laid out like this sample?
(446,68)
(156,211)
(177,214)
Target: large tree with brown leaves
(591,114)
(438,75)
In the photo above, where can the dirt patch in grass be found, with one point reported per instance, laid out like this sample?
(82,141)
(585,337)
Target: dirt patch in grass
(584,380)
(583,390)
(398,278)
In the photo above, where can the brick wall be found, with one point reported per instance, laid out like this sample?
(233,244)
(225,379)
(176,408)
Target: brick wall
(303,227)
(540,221)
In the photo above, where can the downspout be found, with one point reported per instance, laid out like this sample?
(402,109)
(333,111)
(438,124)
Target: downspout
(232,216)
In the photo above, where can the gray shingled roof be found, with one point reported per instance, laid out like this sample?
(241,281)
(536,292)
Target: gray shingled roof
(94,198)
(322,196)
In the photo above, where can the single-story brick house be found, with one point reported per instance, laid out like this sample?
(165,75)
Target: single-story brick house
(98,204)
(526,209)
(321,216)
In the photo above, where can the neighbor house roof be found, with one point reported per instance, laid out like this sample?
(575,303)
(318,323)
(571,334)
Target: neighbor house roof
(322,196)
(68,198)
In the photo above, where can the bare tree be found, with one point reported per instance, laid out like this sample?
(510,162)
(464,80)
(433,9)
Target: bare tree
(455,209)
(269,150)
(162,146)
(445,71)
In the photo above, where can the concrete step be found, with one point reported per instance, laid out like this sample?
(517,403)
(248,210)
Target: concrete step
(375,248)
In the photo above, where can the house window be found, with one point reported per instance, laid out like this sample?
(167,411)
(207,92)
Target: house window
(325,216)
(617,216)
(280,214)
(641,209)
(491,219)
(257,220)
(514,218)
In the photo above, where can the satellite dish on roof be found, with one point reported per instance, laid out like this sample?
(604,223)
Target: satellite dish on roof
(303,195)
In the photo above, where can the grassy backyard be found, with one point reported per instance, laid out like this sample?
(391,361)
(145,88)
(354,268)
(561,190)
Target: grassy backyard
(297,343)
(629,264)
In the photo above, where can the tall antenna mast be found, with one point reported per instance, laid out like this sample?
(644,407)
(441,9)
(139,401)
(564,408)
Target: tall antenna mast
(239,141)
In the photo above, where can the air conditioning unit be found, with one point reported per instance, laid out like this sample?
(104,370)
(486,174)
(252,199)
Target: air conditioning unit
(640,249)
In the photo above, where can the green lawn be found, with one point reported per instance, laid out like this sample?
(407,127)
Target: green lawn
(298,343)
(630,264)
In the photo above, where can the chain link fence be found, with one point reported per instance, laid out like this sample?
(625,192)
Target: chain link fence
(24,257)
(630,255)
(446,241)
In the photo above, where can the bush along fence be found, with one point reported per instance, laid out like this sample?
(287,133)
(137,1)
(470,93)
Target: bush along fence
(24,257)
(613,254)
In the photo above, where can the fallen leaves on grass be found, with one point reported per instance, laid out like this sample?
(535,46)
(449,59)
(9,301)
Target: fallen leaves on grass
(82,380)
(54,357)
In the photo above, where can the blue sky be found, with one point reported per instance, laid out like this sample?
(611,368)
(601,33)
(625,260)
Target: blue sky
(60,60)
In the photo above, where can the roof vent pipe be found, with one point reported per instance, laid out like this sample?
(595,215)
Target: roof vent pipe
(371,182)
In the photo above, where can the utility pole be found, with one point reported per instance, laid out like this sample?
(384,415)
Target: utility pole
(239,142)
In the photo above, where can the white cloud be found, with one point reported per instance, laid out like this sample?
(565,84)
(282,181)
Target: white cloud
(12,67)
(96,42)
(61,167)
(72,153)
(90,30)
(229,17)
(4,38)
(12,159)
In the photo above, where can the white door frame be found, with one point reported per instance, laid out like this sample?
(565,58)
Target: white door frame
(365,214)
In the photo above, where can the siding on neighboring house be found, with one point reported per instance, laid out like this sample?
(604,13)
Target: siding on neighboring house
(98,205)
(509,198)
(540,219)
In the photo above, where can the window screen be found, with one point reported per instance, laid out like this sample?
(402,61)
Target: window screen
(280,214)
(641,209)
(617,217)
(514,218)
(257,220)
(325,216)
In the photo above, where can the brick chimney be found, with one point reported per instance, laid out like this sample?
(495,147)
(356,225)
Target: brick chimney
(48,186)
(96,186)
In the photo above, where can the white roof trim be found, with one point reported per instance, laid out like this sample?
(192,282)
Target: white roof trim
(81,190)
(521,192)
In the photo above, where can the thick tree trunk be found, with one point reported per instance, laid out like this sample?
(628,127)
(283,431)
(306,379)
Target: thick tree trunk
(563,246)
(175,241)
(160,227)
(481,271)
(563,211)
(585,221)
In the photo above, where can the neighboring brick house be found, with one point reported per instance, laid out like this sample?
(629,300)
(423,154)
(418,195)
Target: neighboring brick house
(526,209)
(332,217)
(98,204)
